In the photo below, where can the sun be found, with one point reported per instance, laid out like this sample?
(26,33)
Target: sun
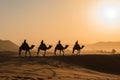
(107,14)
(110,13)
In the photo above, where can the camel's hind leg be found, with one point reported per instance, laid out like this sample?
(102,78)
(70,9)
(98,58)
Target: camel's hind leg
(29,52)
(63,52)
(26,53)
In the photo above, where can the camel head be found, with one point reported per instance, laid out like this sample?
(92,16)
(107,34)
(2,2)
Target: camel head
(66,46)
(82,46)
(50,46)
(32,46)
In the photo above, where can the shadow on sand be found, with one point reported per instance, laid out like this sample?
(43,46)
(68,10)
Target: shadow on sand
(102,63)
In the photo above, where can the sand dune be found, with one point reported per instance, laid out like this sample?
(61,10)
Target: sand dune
(7,45)
(85,67)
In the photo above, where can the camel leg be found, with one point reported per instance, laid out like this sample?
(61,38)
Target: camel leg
(29,52)
(38,52)
(44,53)
(78,52)
(60,52)
(73,51)
(55,51)
(25,53)
(63,52)
(20,52)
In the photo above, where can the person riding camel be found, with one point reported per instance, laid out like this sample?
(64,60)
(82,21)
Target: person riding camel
(25,44)
(76,44)
(59,44)
(43,45)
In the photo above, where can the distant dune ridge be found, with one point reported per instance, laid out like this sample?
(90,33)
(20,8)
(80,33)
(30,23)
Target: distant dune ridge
(108,46)
(7,45)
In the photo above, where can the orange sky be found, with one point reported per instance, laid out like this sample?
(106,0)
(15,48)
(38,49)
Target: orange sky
(88,21)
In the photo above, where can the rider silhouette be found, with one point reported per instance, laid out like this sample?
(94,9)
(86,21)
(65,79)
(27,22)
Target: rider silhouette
(25,44)
(59,44)
(43,45)
(76,44)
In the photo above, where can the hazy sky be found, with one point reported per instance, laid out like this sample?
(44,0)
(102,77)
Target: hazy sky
(88,21)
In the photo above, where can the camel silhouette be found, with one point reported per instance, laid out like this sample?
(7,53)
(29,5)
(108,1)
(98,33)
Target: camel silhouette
(60,48)
(43,47)
(26,48)
(78,48)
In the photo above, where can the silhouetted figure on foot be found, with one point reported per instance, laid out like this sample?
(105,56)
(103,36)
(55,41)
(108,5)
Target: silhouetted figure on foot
(25,47)
(43,47)
(77,47)
(60,47)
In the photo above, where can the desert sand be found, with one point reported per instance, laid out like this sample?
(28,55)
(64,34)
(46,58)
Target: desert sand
(84,67)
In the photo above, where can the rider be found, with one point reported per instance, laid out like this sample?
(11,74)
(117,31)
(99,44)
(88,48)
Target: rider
(43,44)
(25,44)
(59,44)
(76,44)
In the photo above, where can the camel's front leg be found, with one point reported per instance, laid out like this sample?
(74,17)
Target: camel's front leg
(55,51)
(73,51)
(78,52)
(20,52)
(25,53)
(60,52)
(38,51)
(29,52)
(44,53)
(63,52)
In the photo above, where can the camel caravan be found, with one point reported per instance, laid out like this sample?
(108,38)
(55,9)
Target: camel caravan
(42,47)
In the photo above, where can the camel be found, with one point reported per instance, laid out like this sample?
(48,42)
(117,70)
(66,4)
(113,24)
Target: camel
(44,48)
(78,48)
(60,48)
(25,48)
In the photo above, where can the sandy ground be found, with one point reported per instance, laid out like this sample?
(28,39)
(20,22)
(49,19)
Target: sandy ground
(13,67)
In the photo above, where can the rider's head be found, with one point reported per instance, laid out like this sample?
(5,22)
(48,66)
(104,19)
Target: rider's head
(59,42)
(42,41)
(25,41)
(77,42)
